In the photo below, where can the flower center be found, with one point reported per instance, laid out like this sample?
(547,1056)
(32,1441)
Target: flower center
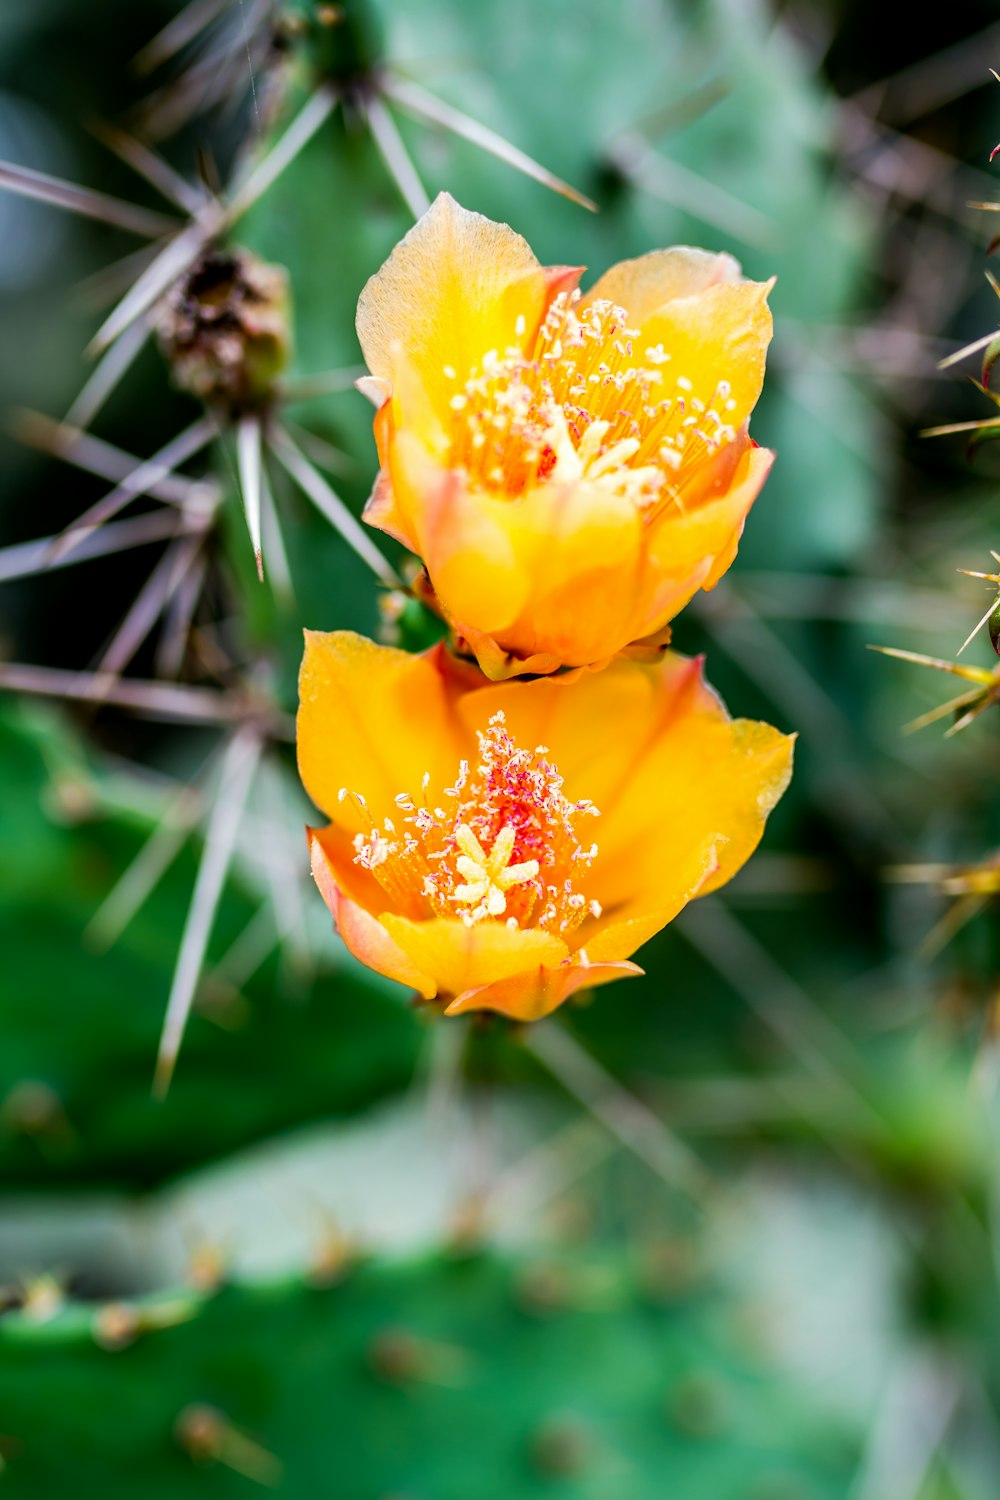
(580,408)
(504,846)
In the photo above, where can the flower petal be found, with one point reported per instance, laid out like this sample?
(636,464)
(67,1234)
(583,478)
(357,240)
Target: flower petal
(702,780)
(641,286)
(720,334)
(530,996)
(463,537)
(372,720)
(693,550)
(683,791)
(574,543)
(451,290)
(363,934)
(463,958)
(636,922)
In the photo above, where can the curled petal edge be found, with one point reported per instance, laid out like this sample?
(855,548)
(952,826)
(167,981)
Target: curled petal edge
(531,996)
(363,934)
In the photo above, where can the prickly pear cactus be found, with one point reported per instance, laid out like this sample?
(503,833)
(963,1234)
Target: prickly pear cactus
(438,1377)
(159,903)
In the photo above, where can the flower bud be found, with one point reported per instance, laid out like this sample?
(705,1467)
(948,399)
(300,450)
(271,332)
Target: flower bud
(224,329)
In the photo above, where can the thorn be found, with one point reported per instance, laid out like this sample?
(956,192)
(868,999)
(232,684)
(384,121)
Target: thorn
(34,1109)
(332,1260)
(236,772)
(697,1405)
(634,1124)
(148,605)
(178,32)
(320,452)
(951,427)
(424,106)
(172,261)
(785,1007)
(106,374)
(327,382)
(143,873)
(164,701)
(149,472)
(677,185)
(980,675)
(977,627)
(93,455)
(208,1436)
(118,1324)
(250,461)
(305,125)
(28,183)
(562,1447)
(402,1358)
(967,349)
(951,924)
(174,636)
(24,559)
(395,156)
(943,711)
(329,504)
(190,199)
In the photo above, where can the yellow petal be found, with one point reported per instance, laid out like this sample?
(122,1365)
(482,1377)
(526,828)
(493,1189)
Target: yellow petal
(530,996)
(720,334)
(451,290)
(372,720)
(463,958)
(693,549)
(641,286)
(682,877)
(703,780)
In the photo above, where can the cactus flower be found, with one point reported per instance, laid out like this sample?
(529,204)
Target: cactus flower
(502,845)
(571,468)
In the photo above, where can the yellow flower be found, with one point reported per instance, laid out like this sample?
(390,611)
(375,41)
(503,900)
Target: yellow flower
(570,469)
(501,845)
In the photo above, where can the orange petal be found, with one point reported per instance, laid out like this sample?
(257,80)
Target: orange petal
(573,543)
(451,290)
(363,934)
(517,571)
(530,996)
(641,286)
(463,958)
(372,720)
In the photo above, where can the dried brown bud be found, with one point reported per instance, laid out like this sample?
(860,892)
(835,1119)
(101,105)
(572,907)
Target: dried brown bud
(224,329)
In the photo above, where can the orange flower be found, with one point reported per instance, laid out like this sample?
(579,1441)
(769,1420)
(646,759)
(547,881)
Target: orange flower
(571,469)
(501,845)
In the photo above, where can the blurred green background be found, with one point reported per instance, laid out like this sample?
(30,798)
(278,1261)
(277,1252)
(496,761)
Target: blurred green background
(728,1232)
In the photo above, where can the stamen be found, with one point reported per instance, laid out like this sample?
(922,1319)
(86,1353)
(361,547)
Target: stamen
(574,408)
(506,849)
